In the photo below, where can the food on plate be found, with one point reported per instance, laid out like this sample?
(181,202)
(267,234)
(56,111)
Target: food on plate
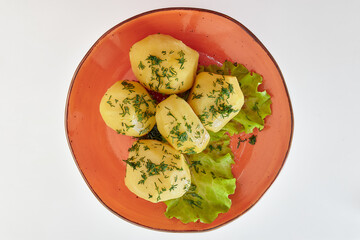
(216,99)
(189,166)
(201,203)
(128,108)
(156,172)
(179,125)
(164,64)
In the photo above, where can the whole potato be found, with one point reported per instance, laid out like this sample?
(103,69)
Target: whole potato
(164,64)
(216,99)
(128,108)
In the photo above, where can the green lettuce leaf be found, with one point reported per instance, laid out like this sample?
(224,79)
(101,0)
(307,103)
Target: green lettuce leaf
(257,104)
(212,183)
(211,176)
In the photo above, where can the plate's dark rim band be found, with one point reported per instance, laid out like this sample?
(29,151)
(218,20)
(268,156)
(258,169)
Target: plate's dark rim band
(147,13)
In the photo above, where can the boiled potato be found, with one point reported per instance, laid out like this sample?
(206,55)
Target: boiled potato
(216,99)
(156,172)
(164,64)
(128,108)
(180,126)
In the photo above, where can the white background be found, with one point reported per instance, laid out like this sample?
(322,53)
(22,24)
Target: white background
(315,43)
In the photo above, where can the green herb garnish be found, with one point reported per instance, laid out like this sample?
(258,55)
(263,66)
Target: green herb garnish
(181,60)
(252,140)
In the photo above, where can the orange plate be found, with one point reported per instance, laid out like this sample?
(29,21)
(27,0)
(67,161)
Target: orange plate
(99,151)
